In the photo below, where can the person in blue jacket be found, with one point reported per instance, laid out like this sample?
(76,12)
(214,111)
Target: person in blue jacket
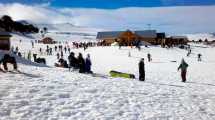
(88,64)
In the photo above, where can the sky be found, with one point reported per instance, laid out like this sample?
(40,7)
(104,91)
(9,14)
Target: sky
(171,16)
(113,4)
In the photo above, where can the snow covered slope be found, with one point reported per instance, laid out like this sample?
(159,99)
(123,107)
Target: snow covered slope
(69,32)
(57,94)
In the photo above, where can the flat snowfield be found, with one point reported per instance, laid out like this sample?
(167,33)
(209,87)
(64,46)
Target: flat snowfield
(50,93)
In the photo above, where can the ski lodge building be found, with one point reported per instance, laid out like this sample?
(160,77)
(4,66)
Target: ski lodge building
(127,38)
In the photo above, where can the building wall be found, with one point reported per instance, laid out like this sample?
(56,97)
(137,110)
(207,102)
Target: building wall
(4,43)
(149,40)
(109,41)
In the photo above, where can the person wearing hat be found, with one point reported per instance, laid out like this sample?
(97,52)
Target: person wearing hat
(142,70)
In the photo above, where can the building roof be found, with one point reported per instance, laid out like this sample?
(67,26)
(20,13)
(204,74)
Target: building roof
(147,33)
(179,37)
(115,34)
(108,34)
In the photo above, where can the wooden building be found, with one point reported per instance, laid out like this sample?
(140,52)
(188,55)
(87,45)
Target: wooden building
(128,37)
(47,40)
(176,40)
(4,41)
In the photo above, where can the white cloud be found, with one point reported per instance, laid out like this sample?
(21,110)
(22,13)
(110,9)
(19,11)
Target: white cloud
(169,19)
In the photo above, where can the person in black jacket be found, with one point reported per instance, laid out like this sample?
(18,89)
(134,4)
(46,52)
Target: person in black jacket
(81,63)
(72,61)
(142,70)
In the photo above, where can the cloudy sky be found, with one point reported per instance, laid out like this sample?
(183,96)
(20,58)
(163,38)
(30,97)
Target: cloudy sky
(172,16)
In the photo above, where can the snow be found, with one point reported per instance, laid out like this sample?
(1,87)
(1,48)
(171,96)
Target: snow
(50,93)
(202,36)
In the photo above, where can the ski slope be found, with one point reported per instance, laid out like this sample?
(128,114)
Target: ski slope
(41,93)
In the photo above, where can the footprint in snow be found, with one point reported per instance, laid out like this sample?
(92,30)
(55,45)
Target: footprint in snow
(64,96)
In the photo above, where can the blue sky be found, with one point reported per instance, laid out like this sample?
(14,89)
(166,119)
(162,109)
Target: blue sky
(112,4)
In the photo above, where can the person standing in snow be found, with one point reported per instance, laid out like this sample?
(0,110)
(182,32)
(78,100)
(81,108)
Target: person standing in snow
(129,54)
(72,61)
(69,50)
(41,51)
(149,57)
(199,57)
(29,55)
(58,56)
(61,54)
(88,64)
(55,48)
(183,66)
(47,51)
(32,44)
(50,51)
(142,70)
(81,63)
(65,49)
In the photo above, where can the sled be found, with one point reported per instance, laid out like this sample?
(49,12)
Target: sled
(120,74)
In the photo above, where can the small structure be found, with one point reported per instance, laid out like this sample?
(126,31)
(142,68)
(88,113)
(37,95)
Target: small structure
(4,41)
(47,40)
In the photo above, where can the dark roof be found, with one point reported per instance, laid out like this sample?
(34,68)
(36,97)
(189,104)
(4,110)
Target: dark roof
(179,37)
(5,34)
(108,34)
(115,34)
(147,33)
(161,35)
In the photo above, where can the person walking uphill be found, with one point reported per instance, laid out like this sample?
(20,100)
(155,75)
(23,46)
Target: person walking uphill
(183,66)
(81,63)
(142,70)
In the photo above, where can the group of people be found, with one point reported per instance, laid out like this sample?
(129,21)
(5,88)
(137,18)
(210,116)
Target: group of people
(8,59)
(79,63)
(84,65)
